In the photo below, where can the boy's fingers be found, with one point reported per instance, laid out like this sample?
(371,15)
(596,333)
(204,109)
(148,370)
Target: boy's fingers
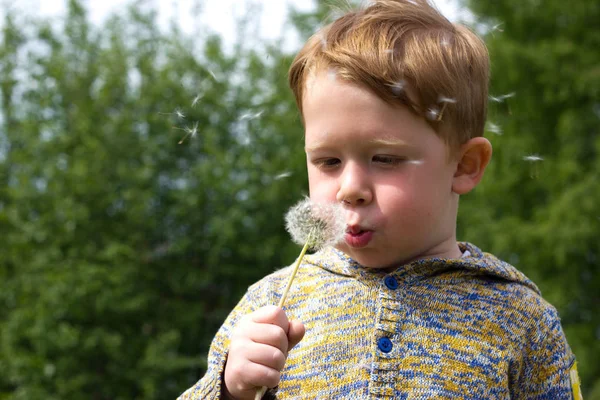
(267,355)
(296,333)
(272,335)
(271,315)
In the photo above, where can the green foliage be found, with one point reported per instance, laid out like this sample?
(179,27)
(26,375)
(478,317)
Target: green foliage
(543,215)
(122,250)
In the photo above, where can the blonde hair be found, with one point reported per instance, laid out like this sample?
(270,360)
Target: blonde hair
(407,53)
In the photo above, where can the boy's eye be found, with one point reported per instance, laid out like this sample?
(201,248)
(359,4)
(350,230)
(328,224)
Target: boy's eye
(388,160)
(327,162)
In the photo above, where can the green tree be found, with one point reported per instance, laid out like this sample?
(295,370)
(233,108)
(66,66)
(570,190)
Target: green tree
(122,250)
(542,215)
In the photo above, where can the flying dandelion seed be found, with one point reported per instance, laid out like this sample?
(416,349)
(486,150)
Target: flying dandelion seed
(432,114)
(444,99)
(323,41)
(501,98)
(389,51)
(331,74)
(248,116)
(282,175)
(497,28)
(179,113)
(493,128)
(196,99)
(533,158)
(213,75)
(191,132)
(397,87)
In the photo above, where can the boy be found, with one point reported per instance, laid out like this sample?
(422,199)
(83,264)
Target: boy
(394,100)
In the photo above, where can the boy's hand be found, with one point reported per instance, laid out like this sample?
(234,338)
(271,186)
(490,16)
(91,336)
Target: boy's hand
(258,350)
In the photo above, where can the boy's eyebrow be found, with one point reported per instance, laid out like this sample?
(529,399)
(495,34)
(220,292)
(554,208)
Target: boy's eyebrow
(382,142)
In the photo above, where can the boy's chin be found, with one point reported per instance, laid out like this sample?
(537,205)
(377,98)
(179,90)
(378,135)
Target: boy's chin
(363,257)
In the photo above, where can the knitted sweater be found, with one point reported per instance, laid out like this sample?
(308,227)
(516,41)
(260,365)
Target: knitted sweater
(472,328)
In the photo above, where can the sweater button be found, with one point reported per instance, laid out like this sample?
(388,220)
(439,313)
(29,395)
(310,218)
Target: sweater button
(385,344)
(391,282)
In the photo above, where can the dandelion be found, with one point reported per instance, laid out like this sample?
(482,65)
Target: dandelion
(213,75)
(315,226)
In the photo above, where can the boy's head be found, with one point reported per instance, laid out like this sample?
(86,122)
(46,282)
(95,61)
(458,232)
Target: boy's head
(406,53)
(385,93)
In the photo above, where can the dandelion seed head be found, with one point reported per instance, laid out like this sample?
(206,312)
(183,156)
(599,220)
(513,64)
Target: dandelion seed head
(318,224)
(533,158)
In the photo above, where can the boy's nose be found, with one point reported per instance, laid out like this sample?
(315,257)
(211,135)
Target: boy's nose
(355,188)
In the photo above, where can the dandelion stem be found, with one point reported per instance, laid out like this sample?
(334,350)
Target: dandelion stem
(261,392)
(292,276)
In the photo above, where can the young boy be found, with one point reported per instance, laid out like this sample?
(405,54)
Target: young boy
(394,100)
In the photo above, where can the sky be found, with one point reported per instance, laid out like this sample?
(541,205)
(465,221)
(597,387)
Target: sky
(219,15)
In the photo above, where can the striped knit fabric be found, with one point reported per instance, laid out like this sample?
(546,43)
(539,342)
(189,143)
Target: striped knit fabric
(473,328)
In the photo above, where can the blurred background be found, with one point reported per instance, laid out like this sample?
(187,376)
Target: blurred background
(149,149)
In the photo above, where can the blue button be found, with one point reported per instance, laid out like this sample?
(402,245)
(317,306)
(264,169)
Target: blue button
(391,282)
(385,344)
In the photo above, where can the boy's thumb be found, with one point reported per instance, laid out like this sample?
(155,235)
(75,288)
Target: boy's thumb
(295,333)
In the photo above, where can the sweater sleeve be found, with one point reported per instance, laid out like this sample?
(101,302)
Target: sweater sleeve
(210,385)
(548,362)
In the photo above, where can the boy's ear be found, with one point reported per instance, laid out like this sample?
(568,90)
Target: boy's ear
(473,158)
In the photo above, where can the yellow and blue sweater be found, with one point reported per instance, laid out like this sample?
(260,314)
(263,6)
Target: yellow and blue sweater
(473,327)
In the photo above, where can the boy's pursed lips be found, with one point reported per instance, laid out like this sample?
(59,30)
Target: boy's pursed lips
(358,236)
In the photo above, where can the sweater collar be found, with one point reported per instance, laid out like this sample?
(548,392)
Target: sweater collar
(476,262)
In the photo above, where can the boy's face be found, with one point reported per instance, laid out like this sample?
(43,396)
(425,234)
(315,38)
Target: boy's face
(389,169)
